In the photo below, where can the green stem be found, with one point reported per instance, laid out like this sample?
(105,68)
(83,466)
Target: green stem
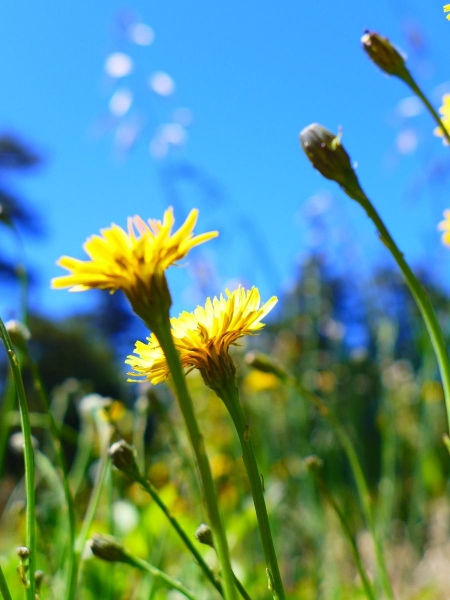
(360,480)
(148,487)
(149,568)
(348,534)
(28,459)
(4,590)
(410,81)
(230,396)
(164,337)
(419,295)
(61,463)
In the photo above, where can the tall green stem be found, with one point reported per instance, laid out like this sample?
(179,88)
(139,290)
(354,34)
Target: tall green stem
(164,337)
(230,396)
(419,295)
(410,81)
(28,459)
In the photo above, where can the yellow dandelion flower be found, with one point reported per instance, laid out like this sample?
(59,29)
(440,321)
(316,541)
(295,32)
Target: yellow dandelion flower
(447,9)
(445,227)
(133,260)
(203,337)
(445,112)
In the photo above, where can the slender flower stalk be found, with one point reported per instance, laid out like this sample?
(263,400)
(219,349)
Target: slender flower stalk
(111,550)
(29,461)
(317,144)
(123,458)
(202,339)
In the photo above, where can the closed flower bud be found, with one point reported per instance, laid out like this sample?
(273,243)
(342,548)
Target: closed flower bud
(107,548)
(123,458)
(204,535)
(262,362)
(384,54)
(23,552)
(18,332)
(329,157)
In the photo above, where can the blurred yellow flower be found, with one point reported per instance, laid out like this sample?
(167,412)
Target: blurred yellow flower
(257,381)
(445,227)
(444,109)
(447,9)
(131,260)
(203,337)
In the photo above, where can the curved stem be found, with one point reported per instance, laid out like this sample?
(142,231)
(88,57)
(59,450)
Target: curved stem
(230,396)
(164,337)
(28,459)
(419,295)
(410,81)
(143,565)
(148,487)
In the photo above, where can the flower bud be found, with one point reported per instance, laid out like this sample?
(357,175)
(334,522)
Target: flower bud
(107,548)
(384,54)
(329,157)
(18,332)
(262,362)
(313,463)
(23,552)
(123,458)
(204,535)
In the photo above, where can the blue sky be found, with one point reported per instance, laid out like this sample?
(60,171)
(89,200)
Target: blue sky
(253,75)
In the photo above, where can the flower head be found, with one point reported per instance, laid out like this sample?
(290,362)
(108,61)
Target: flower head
(447,9)
(134,260)
(384,54)
(203,337)
(445,227)
(445,112)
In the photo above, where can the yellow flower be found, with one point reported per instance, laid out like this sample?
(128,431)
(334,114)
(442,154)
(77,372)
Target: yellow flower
(447,9)
(445,227)
(203,337)
(134,260)
(444,110)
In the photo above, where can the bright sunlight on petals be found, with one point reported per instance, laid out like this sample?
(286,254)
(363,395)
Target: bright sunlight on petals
(203,337)
(130,260)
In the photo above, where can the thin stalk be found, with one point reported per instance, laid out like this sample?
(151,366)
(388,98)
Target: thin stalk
(348,534)
(359,477)
(230,396)
(28,459)
(419,295)
(9,400)
(148,487)
(4,590)
(164,337)
(151,490)
(410,81)
(61,464)
(92,506)
(157,574)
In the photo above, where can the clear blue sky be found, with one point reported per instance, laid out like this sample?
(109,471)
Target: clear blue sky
(253,74)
